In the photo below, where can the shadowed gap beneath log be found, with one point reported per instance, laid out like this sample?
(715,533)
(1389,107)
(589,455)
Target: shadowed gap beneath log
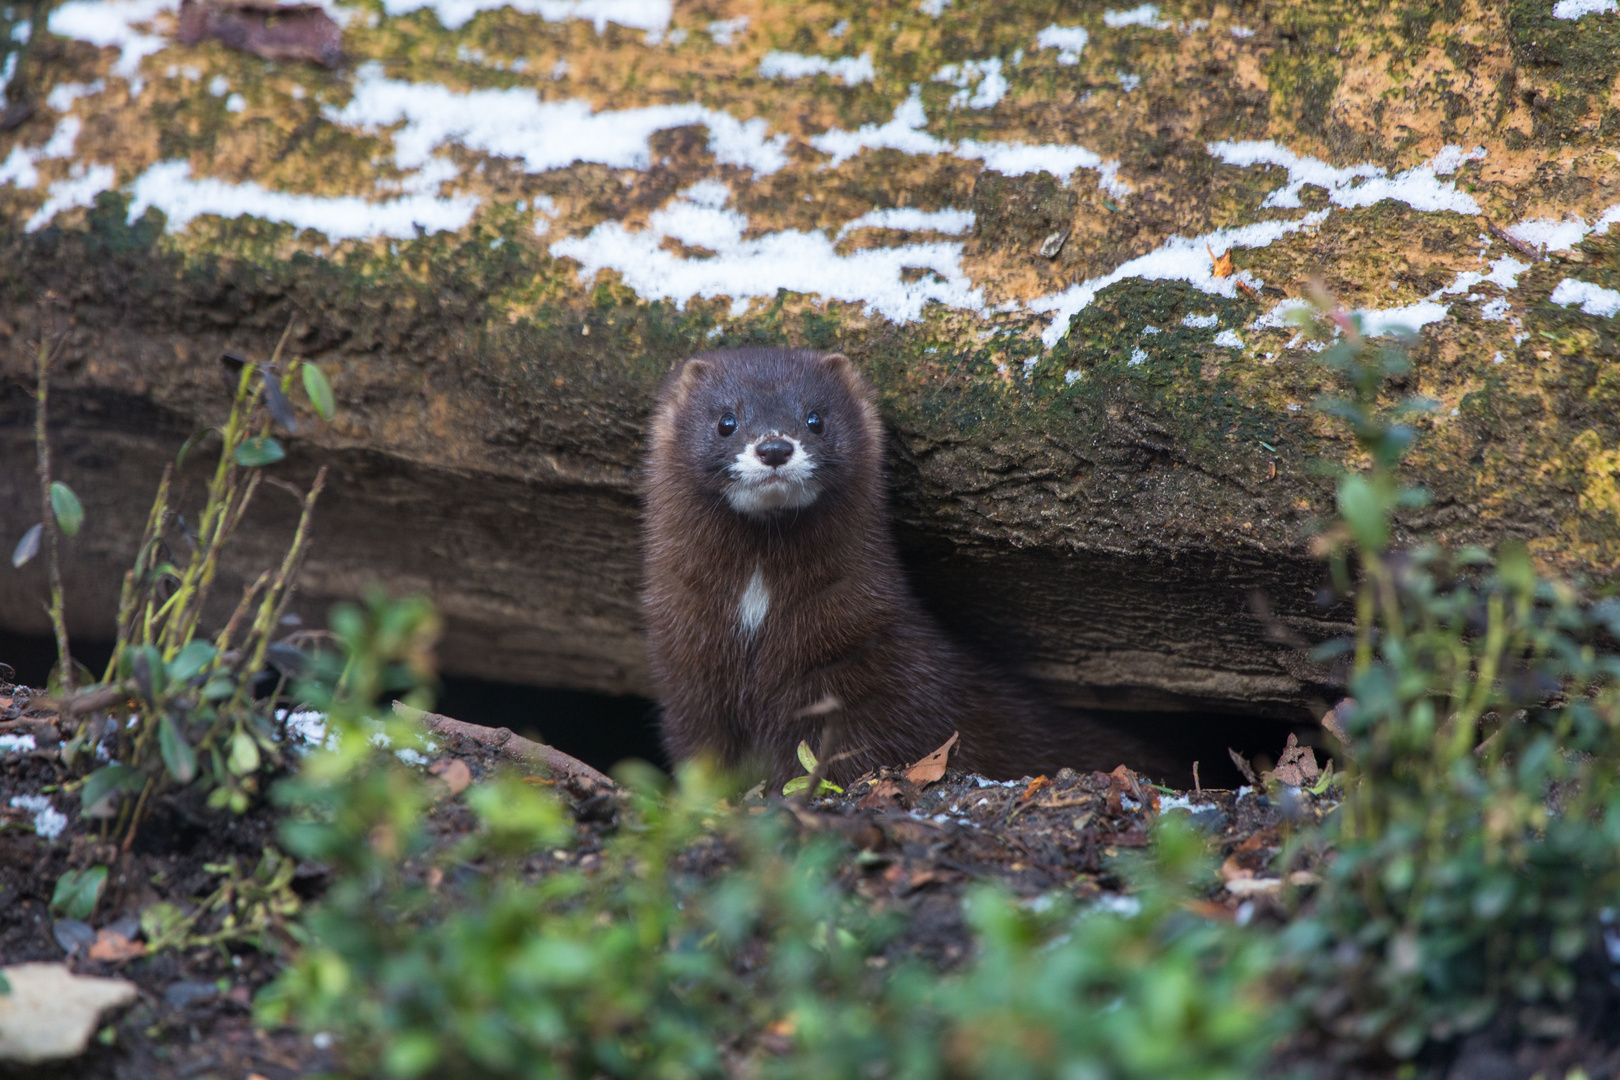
(602,730)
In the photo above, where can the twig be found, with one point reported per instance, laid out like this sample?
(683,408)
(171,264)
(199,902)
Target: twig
(577,776)
(43,447)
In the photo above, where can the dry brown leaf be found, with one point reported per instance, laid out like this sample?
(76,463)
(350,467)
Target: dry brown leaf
(1035,785)
(112,946)
(885,793)
(1333,719)
(1296,767)
(1223,261)
(932,767)
(270,31)
(1246,289)
(454,772)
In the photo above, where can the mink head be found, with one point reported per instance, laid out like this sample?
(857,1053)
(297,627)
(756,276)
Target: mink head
(767,431)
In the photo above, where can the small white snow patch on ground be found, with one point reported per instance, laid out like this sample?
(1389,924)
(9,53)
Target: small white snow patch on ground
(1177,259)
(169,186)
(980,82)
(634,14)
(1068,40)
(1410,319)
(1114,904)
(953,222)
(1277,317)
(850,69)
(1594,299)
(1574,9)
(1549,234)
(48,821)
(17,744)
(726,31)
(1229,339)
(306,727)
(1199,322)
(803,262)
(904,132)
(1144,15)
(1128,83)
(111,24)
(1495,310)
(1356,185)
(515,123)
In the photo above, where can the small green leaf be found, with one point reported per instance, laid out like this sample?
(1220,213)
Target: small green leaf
(77,892)
(319,390)
(1365,511)
(218,686)
(244,756)
(807,757)
(795,786)
(178,756)
(28,546)
(147,666)
(190,660)
(65,505)
(108,780)
(259,450)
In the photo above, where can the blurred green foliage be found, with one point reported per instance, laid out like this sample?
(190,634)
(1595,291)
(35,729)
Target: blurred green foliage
(703,939)
(1479,837)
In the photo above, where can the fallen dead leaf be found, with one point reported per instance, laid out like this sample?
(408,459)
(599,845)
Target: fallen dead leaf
(1333,720)
(112,946)
(454,773)
(1223,261)
(932,767)
(1296,767)
(1036,785)
(1248,290)
(270,31)
(885,794)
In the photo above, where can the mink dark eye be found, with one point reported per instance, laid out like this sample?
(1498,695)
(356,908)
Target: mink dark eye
(727,425)
(813,422)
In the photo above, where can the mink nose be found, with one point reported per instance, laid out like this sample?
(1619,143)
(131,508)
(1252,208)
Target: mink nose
(774,452)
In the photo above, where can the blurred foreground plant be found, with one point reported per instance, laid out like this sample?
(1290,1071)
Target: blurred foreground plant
(1479,838)
(702,941)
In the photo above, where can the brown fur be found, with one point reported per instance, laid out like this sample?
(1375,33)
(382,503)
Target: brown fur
(841,623)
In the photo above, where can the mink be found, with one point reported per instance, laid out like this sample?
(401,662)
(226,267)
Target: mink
(776,606)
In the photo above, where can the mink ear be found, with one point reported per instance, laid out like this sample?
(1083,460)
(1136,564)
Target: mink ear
(844,368)
(679,382)
(691,371)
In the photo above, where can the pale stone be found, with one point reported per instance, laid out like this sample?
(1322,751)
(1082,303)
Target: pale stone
(51,1012)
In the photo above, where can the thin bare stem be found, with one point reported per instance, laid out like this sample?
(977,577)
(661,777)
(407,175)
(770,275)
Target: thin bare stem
(52,559)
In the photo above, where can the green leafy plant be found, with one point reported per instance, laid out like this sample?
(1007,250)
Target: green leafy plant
(801,784)
(700,940)
(181,702)
(77,892)
(1479,837)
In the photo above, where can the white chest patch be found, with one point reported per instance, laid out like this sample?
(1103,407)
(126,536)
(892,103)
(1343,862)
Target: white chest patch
(755,602)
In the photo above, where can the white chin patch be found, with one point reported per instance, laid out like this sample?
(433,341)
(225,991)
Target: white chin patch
(758,488)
